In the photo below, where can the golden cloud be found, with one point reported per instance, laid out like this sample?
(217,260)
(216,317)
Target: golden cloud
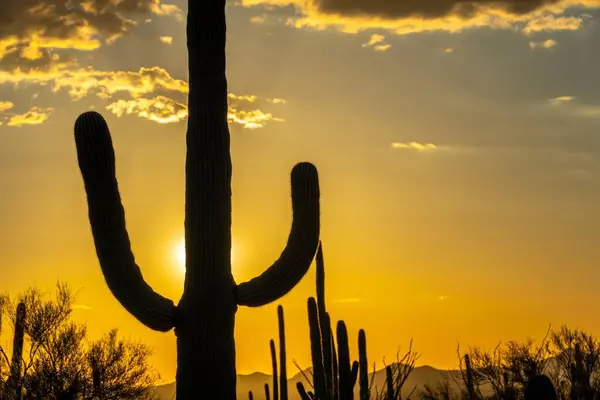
(376,42)
(546,44)
(413,16)
(150,91)
(414,146)
(165,110)
(30,28)
(35,116)
(6,105)
(159,109)
(556,101)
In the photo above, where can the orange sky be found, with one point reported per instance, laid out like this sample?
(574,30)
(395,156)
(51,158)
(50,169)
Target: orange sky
(459,168)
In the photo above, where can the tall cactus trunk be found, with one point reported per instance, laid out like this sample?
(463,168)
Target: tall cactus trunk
(205,315)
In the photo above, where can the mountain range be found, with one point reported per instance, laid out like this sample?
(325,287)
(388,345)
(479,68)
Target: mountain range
(255,382)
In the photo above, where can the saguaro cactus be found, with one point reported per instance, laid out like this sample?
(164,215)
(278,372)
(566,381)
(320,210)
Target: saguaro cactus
(205,315)
(334,376)
(14,382)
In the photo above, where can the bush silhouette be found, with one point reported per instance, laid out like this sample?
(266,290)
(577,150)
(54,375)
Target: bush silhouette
(60,363)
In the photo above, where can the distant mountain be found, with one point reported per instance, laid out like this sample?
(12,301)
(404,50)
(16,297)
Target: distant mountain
(255,382)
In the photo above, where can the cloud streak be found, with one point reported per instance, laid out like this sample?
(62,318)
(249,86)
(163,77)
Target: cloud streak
(420,147)
(413,16)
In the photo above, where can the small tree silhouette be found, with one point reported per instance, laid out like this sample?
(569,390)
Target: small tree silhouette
(56,360)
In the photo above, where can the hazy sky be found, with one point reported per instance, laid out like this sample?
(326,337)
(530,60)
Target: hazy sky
(457,147)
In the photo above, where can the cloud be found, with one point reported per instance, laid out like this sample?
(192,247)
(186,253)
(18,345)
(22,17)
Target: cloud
(376,43)
(31,27)
(159,109)
(573,108)
(165,110)
(35,116)
(421,147)
(150,92)
(6,105)
(166,39)
(557,101)
(413,16)
(258,19)
(552,23)
(546,44)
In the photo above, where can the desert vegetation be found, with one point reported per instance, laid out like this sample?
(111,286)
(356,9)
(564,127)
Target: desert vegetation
(565,365)
(52,358)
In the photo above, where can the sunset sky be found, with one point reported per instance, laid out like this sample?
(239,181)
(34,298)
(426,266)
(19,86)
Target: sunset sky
(458,149)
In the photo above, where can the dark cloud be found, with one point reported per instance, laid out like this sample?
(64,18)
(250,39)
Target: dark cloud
(21,20)
(392,9)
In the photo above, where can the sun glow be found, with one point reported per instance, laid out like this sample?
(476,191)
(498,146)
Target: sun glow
(180,255)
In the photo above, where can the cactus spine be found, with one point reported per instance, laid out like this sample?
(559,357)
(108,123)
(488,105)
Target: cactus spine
(204,318)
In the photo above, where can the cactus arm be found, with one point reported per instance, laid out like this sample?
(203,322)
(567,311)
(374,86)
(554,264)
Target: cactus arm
(96,159)
(302,244)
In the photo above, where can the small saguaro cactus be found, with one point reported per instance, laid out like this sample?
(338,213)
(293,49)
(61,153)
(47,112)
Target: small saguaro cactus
(334,376)
(14,382)
(204,318)
(469,379)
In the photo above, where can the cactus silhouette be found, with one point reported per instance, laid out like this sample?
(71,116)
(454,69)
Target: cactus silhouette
(14,381)
(334,376)
(280,389)
(267,392)
(470,380)
(275,369)
(204,318)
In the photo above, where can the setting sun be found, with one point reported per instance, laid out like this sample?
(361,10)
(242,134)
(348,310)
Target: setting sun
(180,255)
